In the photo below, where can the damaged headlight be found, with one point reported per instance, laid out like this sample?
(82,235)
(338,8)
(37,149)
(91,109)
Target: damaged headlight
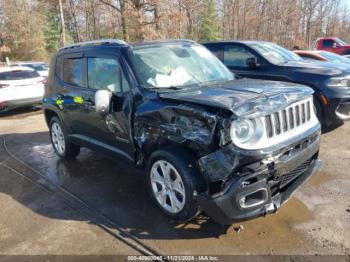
(339,82)
(244,131)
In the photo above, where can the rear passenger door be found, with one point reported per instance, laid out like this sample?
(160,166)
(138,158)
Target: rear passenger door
(72,73)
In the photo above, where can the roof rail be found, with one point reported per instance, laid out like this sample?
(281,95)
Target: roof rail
(95,42)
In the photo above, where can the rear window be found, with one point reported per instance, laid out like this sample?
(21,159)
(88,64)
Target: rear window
(38,67)
(18,75)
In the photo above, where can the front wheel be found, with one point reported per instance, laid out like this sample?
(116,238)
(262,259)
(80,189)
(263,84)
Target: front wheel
(62,146)
(173,182)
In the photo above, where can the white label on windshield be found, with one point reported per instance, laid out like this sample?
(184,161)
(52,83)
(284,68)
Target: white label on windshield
(202,51)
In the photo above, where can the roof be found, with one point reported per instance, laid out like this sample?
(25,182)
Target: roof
(28,62)
(245,42)
(159,42)
(121,43)
(15,68)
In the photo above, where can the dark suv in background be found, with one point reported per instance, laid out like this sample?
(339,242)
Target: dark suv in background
(236,149)
(264,60)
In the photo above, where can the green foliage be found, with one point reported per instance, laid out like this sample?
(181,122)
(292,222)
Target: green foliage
(209,28)
(52,33)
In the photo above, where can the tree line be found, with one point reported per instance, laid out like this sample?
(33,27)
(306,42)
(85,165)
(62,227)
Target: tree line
(35,29)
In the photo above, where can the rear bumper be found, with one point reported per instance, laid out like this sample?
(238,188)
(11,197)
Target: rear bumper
(262,188)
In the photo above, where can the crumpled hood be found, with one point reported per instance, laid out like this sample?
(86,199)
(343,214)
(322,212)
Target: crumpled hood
(243,97)
(319,68)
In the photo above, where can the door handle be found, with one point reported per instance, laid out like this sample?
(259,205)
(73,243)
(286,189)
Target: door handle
(90,104)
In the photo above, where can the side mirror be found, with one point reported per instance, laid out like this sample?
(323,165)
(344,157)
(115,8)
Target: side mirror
(103,101)
(252,62)
(335,45)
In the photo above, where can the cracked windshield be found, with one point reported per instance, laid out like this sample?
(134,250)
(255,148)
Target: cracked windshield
(180,66)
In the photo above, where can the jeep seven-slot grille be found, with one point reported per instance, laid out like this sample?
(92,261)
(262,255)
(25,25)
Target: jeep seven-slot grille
(287,119)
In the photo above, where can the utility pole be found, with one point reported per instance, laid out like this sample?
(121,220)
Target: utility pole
(62,23)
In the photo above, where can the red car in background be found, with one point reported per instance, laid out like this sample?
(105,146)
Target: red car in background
(319,55)
(332,44)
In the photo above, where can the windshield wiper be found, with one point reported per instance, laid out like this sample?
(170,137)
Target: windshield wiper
(169,87)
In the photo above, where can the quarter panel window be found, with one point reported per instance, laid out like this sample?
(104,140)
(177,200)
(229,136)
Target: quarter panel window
(104,73)
(236,56)
(73,71)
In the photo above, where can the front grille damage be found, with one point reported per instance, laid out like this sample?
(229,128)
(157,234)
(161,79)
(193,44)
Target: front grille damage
(289,177)
(230,161)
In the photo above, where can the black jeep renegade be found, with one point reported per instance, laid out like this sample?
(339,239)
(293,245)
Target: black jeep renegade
(235,149)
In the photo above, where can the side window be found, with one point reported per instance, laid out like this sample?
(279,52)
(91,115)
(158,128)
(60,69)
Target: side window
(328,43)
(105,73)
(73,71)
(236,56)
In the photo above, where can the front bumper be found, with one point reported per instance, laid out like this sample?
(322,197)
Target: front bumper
(342,110)
(263,186)
(337,110)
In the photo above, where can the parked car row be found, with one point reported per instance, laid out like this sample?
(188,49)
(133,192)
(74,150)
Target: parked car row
(263,60)
(211,130)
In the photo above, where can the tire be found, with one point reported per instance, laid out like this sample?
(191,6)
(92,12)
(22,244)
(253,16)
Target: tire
(186,207)
(63,148)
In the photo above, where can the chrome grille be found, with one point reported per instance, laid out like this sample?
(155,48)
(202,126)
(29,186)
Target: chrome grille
(288,119)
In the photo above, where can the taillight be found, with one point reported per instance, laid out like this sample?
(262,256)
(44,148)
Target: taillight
(4,85)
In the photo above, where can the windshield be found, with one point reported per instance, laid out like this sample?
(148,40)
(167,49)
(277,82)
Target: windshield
(177,65)
(340,42)
(275,54)
(335,58)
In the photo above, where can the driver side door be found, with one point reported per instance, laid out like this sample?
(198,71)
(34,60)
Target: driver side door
(109,132)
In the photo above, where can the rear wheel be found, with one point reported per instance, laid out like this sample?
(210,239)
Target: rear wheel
(62,146)
(173,182)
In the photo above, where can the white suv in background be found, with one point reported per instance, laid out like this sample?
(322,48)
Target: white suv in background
(40,67)
(20,86)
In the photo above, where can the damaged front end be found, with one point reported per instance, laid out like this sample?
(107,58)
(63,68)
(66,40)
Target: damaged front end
(245,179)
(255,183)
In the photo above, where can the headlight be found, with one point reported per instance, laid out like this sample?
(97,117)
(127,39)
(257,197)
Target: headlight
(242,131)
(339,82)
(246,133)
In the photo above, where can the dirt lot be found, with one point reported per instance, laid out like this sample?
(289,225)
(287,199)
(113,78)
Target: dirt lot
(97,205)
